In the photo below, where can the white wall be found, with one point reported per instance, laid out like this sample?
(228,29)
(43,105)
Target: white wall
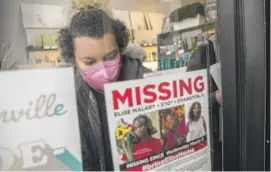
(139,5)
(160,6)
(135,5)
(49,2)
(11,25)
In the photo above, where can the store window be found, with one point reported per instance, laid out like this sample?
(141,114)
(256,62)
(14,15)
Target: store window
(84,45)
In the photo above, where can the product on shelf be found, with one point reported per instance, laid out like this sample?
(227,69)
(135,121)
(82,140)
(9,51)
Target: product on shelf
(45,41)
(200,39)
(32,60)
(38,41)
(54,44)
(154,56)
(30,42)
(173,60)
(177,53)
(46,59)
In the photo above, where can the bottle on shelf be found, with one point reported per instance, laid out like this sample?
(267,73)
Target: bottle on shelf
(167,67)
(46,59)
(167,61)
(180,44)
(154,56)
(38,41)
(181,61)
(45,41)
(29,42)
(33,60)
(174,63)
(186,44)
(53,38)
(200,39)
(161,64)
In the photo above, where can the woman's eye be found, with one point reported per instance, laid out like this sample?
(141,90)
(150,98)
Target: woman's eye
(90,62)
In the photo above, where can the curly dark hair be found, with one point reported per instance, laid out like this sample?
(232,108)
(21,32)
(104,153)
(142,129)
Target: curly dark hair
(93,23)
(191,115)
(166,112)
(147,123)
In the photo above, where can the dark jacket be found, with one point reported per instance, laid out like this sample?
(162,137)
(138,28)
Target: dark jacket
(203,57)
(91,128)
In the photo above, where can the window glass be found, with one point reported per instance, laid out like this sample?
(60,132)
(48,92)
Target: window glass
(109,41)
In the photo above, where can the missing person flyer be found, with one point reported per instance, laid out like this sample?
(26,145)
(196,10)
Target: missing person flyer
(160,123)
(39,128)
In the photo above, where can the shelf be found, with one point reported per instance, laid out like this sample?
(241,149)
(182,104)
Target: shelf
(145,46)
(42,28)
(42,49)
(164,53)
(165,39)
(152,65)
(205,26)
(150,61)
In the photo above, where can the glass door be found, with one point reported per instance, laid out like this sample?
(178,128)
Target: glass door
(242,35)
(226,38)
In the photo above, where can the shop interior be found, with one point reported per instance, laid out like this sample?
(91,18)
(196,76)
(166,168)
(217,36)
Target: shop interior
(169,32)
(167,40)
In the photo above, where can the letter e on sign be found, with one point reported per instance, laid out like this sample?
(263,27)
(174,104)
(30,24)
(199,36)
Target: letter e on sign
(34,154)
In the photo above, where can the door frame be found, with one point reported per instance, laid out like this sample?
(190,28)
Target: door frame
(241,31)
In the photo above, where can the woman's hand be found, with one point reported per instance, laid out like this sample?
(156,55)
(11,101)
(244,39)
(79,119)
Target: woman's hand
(218,96)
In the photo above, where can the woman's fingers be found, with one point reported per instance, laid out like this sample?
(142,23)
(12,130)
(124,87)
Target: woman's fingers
(219,97)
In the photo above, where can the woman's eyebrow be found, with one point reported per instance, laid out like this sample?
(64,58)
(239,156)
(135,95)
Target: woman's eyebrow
(89,58)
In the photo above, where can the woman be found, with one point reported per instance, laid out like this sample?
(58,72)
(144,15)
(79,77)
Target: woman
(147,145)
(196,127)
(93,42)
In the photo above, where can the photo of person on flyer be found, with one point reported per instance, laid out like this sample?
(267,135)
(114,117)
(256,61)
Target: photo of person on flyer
(146,144)
(196,127)
(173,127)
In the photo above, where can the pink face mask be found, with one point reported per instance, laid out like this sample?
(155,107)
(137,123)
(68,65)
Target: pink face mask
(101,74)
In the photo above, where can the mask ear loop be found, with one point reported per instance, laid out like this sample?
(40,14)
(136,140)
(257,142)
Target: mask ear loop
(120,67)
(121,62)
